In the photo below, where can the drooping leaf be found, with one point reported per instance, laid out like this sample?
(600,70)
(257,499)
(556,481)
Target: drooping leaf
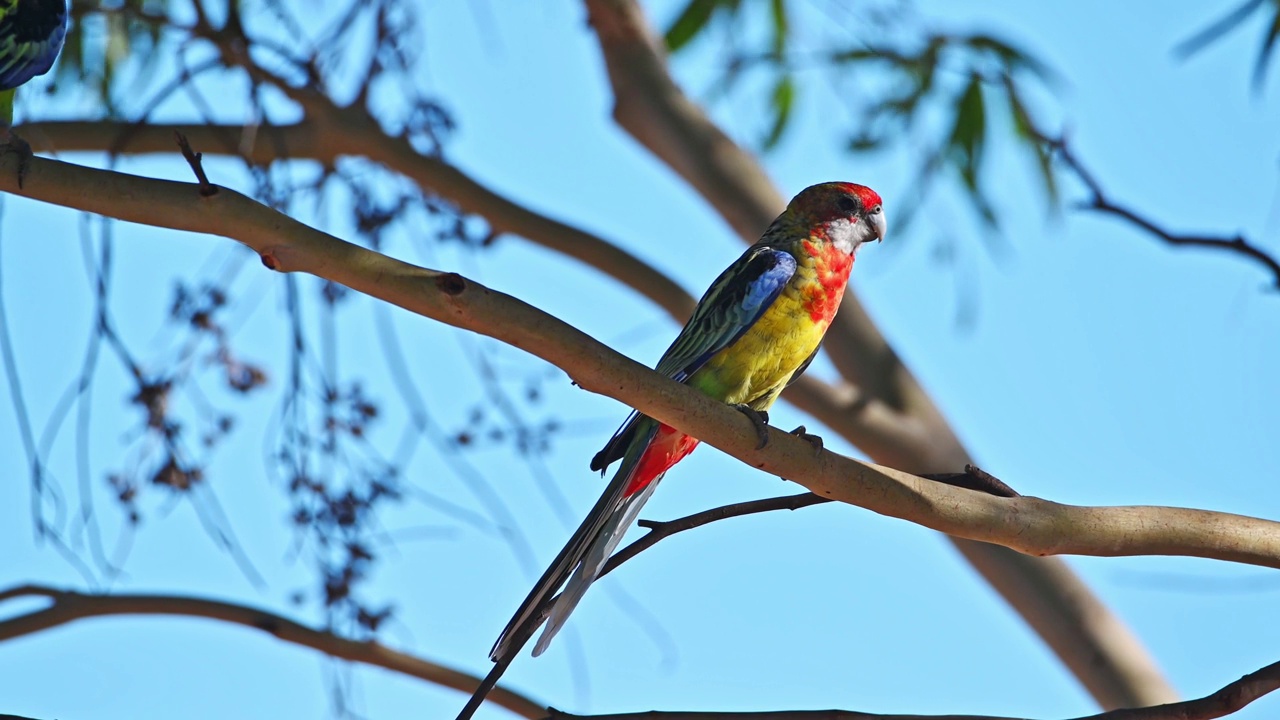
(1264,55)
(855,55)
(1026,133)
(1214,32)
(780,26)
(689,23)
(784,95)
(969,133)
(1230,22)
(1013,58)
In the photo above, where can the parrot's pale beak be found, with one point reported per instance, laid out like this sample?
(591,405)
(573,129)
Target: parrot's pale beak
(878,225)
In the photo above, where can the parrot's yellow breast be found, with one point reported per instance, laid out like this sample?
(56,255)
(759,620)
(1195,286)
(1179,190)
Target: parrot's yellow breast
(756,367)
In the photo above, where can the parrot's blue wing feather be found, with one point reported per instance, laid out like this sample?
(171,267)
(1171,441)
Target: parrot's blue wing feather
(31,36)
(733,303)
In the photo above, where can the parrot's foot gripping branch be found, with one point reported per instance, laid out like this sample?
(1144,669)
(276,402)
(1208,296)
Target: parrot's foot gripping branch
(758,418)
(814,440)
(11,142)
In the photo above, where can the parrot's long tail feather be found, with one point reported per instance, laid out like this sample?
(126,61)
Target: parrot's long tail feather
(593,561)
(583,557)
(603,516)
(589,559)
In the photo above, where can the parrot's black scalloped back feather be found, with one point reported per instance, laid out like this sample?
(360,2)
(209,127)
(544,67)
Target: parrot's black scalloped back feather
(31,36)
(733,303)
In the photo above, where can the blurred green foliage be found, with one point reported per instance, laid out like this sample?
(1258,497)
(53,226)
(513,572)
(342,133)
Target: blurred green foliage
(103,35)
(1268,10)
(947,98)
(949,95)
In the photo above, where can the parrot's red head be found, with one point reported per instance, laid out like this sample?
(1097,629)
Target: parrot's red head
(846,214)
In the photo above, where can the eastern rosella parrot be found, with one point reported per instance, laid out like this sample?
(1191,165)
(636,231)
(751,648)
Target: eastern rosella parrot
(31,35)
(754,332)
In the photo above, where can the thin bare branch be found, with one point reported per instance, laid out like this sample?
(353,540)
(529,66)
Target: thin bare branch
(194,159)
(66,607)
(1027,524)
(661,530)
(1100,202)
(973,478)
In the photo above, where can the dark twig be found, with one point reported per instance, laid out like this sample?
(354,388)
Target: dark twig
(1224,702)
(193,158)
(973,478)
(659,530)
(1099,202)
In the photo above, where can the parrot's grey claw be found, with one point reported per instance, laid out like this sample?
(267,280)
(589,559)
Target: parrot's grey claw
(758,418)
(15,144)
(810,438)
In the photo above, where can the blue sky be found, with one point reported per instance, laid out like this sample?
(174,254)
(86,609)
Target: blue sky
(1096,367)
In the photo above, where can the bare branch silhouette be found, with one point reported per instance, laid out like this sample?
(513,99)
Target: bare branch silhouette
(973,478)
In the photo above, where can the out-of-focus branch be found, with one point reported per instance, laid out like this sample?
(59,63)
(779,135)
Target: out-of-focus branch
(1230,699)
(1027,524)
(66,607)
(331,132)
(910,431)
(653,109)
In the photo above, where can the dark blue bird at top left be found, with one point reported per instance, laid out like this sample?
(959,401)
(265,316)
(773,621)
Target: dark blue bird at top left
(31,36)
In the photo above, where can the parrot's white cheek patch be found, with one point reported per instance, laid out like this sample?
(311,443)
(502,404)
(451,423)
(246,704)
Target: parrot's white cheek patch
(844,234)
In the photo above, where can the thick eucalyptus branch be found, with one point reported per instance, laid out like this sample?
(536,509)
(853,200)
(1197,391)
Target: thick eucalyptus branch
(1229,699)
(67,607)
(1091,641)
(1027,524)
(868,427)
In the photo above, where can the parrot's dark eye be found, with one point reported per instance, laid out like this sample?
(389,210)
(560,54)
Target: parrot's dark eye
(847,204)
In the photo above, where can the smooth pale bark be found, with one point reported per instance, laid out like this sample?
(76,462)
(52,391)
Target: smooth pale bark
(1027,524)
